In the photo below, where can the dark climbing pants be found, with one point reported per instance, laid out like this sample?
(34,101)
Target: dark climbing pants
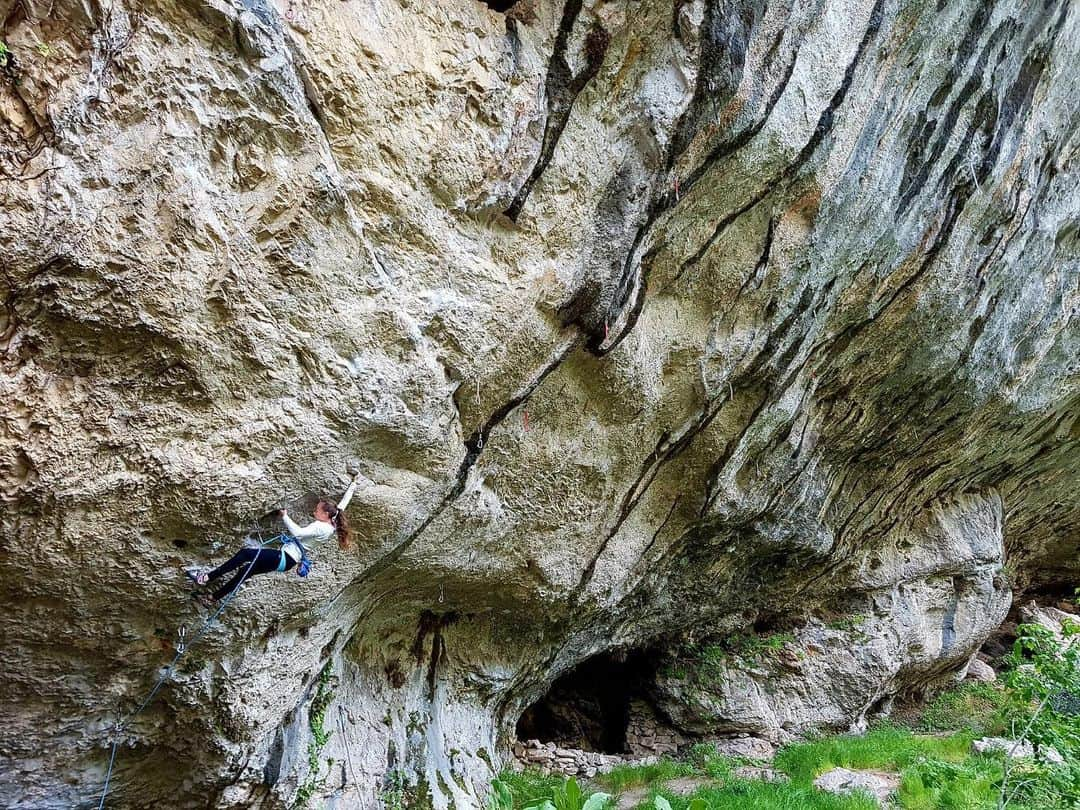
(265,561)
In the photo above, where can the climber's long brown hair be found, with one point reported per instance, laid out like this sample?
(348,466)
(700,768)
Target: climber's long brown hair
(339,522)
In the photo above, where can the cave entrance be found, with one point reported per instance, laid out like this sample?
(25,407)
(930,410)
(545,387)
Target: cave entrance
(499,5)
(588,708)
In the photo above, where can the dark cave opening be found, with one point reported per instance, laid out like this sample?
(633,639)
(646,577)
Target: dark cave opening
(1050,593)
(588,708)
(499,5)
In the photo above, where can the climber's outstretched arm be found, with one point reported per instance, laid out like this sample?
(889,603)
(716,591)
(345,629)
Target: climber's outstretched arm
(344,502)
(315,530)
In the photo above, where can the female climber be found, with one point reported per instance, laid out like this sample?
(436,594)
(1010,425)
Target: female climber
(329,519)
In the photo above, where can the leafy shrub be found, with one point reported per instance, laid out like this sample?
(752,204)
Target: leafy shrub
(537,792)
(529,787)
(1042,682)
(568,796)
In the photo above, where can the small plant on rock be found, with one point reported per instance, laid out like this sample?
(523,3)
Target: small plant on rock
(320,735)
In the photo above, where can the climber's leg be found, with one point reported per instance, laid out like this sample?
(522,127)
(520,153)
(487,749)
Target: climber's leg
(242,557)
(265,561)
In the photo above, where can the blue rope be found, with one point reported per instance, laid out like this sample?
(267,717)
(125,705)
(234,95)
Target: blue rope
(281,538)
(108,774)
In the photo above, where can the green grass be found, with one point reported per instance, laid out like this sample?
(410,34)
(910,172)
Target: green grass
(932,784)
(757,795)
(883,748)
(937,769)
(970,706)
(937,773)
(529,787)
(624,777)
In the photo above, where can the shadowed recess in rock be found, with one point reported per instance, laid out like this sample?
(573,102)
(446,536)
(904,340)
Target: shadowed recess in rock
(499,5)
(588,708)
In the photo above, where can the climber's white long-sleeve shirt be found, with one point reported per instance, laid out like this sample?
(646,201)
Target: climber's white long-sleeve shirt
(317,529)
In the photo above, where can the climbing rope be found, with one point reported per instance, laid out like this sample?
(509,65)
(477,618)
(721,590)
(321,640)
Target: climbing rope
(348,750)
(108,773)
(182,647)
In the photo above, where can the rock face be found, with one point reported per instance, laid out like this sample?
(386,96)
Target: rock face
(650,322)
(1016,749)
(923,601)
(880,785)
(980,671)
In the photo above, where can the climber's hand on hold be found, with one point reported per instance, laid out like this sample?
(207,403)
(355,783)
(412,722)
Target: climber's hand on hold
(354,469)
(281,513)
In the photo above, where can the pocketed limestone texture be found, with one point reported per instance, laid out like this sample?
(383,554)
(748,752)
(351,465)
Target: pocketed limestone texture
(649,322)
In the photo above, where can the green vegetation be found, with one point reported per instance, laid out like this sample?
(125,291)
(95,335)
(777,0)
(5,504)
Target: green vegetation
(936,772)
(750,794)
(5,54)
(393,793)
(729,794)
(1042,685)
(1042,691)
(706,662)
(883,748)
(509,792)
(625,777)
(1037,700)
(320,735)
(973,707)
(529,788)
(931,783)
(847,624)
(501,796)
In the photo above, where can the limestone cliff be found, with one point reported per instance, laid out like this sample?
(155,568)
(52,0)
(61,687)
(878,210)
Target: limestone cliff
(648,321)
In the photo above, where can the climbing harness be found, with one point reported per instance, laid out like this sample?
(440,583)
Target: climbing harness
(304,568)
(183,645)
